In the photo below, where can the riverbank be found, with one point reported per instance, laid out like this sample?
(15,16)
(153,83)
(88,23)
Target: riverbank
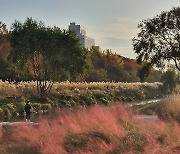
(167,108)
(67,94)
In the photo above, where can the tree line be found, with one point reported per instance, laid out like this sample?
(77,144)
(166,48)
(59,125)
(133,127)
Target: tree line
(109,66)
(30,50)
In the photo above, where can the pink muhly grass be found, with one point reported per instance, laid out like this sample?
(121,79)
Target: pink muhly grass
(49,135)
(161,137)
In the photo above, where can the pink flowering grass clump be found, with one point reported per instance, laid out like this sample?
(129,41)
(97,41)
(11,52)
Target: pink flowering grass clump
(89,125)
(95,129)
(162,137)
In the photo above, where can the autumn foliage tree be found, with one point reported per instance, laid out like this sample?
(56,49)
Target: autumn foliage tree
(4,44)
(6,69)
(109,66)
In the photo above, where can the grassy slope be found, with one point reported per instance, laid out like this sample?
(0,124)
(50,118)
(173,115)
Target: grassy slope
(66,94)
(80,92)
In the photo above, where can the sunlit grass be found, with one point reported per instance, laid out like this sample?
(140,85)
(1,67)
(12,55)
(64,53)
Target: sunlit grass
(170,107)
(29,88)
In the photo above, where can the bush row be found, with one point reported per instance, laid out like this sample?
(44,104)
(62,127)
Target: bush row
(17,109)
(104,97)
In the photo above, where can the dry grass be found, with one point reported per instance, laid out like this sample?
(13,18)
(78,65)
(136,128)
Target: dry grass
(172,104)
(26,89)
(170,107)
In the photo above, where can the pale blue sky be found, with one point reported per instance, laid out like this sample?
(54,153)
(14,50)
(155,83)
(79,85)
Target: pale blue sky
(112,23)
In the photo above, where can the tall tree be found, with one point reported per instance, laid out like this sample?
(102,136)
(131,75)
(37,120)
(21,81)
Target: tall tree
(6,69)
(159,40)
(49,53)
(169,80)
(4,44)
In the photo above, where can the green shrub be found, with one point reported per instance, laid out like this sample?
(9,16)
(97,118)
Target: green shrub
(36,106)
(67,103)
(6,114)
(45,106)
(82,103)
(169,80)
(1,113)
(10,107)
(20,108)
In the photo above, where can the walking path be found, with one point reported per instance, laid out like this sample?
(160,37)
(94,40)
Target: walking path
(143,102)
(10,124)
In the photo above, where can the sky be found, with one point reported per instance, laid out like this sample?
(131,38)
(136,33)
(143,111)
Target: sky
(112,23)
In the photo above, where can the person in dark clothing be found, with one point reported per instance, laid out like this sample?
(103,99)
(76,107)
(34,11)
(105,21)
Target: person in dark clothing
(28,111)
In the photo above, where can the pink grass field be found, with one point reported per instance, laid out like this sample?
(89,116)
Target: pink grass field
(92,130)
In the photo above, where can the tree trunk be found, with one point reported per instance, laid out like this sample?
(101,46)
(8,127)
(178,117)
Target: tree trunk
(44,87)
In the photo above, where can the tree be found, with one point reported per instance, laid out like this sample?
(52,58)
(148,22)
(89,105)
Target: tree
(159,40)
(6,69)
(96,75)
(144,72)
(154,76)
(3,31)
(7,72)
(4,44)
(48,53)
(169,80)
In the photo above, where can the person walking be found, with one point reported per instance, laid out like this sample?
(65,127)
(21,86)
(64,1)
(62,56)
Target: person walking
(28,111)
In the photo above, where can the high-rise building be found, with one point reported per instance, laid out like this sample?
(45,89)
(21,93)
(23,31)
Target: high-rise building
(86,41)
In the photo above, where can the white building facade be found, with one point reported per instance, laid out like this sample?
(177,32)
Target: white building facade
(86,41)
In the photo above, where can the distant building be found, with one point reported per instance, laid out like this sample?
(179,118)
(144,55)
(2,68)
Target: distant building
(86,41)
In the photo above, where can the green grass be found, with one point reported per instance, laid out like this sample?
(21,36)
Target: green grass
(67,94)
